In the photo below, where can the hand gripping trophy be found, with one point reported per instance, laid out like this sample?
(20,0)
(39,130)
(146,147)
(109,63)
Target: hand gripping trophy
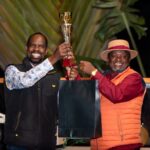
(66,28)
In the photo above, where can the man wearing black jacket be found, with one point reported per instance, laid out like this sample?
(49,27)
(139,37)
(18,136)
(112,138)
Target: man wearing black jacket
(31,97)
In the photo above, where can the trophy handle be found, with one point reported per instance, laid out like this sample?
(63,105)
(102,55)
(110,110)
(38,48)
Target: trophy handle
(66,30)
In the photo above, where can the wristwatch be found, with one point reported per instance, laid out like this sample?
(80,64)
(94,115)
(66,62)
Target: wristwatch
(93,73)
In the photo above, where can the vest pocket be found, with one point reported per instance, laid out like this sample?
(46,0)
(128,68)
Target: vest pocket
(50,89)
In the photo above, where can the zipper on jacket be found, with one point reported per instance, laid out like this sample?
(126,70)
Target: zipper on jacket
(39,109)
(18,120)
(120,128)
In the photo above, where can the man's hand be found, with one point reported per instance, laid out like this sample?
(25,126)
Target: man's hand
(62,51)
(73,73)
(86,67)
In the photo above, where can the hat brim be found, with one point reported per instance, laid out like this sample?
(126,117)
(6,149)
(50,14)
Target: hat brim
(104,54)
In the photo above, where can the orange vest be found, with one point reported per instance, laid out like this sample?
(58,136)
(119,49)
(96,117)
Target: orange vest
(121,122)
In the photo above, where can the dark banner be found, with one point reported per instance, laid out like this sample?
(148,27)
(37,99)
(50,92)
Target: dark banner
(79,109)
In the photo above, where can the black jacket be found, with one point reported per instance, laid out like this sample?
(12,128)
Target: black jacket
(31,113)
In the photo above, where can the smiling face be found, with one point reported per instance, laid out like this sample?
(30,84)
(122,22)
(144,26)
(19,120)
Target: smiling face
(36,48)
(118,60)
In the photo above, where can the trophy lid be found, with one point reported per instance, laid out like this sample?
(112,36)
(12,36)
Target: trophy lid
(65,17)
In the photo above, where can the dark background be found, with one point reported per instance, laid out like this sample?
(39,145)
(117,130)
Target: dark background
(1,73)
(143,44)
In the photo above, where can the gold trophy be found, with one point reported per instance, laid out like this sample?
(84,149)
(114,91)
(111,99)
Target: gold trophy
(66,27)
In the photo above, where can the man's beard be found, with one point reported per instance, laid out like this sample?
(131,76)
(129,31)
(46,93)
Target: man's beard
(119,70)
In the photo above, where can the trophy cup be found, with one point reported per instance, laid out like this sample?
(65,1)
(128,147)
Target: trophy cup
(66,27)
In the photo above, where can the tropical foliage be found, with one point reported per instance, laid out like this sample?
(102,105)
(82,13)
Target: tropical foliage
(20,18)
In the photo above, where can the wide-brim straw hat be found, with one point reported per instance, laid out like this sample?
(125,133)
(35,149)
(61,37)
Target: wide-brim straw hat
(118,44)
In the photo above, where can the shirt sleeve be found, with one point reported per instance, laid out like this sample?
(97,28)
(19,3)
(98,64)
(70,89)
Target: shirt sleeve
(132,86)
(16,79)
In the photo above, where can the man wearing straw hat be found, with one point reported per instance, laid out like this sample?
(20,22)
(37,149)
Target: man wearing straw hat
(122,91)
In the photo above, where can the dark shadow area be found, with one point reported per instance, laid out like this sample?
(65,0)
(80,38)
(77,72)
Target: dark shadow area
(143,44)
(145,117)
(2,110)
(1,73)
(146,111)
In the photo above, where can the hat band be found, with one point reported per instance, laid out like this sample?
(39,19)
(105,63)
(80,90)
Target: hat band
(119,47)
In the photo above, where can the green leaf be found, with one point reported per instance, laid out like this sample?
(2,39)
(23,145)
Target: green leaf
(105,5)
(130,2)
(140,30)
